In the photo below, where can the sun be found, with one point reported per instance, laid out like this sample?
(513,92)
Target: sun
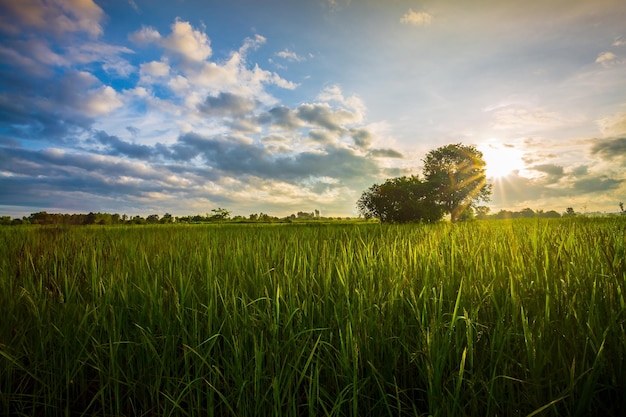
(501,159)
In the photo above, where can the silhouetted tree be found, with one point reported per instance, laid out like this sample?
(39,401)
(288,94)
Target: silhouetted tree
(456,174)
(400,200)
(569,212)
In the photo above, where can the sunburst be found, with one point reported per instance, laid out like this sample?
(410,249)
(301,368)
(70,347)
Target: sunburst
(502,160)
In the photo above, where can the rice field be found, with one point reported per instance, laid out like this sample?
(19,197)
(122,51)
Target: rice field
(489,318)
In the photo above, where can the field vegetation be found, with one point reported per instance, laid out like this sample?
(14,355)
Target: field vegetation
(507,318)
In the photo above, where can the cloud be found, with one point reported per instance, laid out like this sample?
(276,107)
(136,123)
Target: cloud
(184,127)
(363,138)
(101,101)
(414,18)
(607,59)
(597,184)
(67,108)
(290,56)
(610,149)
(57,17)
(121,148)
(227,104)
(281,116)
(523,119)
(385,153)
(613,125)
(619,41)
(319,115)
(553,172)
(187,50)
(145,35)
(189,43)
(184,41)
(150,72)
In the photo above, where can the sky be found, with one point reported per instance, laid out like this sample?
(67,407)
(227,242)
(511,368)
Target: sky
(145,107)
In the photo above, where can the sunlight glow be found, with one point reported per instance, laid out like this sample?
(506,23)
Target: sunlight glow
(501,159)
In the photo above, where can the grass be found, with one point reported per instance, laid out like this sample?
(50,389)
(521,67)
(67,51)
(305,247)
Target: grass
(487,318)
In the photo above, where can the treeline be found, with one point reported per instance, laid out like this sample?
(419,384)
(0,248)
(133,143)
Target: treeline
(216,215)
(482,213)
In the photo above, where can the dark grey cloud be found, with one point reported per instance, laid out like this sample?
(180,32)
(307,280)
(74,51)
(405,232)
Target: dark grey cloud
(322,136)
(133,130)
(319,115)
(240,158)
(362,137)
(385,153)
(597,184)
(116,146)
(227,104)
(554,172)
(610,148)
(580,171)
(281,116)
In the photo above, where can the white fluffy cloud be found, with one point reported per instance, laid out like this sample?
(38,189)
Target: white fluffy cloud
(154,69)
(184,41)
(102,101)
(188,42)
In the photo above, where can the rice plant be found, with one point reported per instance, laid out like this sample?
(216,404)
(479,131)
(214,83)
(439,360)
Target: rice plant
(485,318)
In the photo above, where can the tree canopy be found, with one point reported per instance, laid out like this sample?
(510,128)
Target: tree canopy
(399,200)
(456,173)
(454,180)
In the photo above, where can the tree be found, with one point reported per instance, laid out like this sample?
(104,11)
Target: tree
(400,200)
(219,214)
(152,218)
(569,212)
(482,212)
(456,174)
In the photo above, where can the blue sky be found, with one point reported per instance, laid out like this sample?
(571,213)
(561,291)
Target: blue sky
(141,107)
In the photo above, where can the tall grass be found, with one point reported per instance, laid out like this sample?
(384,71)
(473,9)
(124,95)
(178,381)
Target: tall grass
(487,318)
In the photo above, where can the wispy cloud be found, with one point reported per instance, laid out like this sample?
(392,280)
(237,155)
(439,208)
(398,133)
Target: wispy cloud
(614,124)
(414,18)
(290,56)
(619,41)
(607,59)
(526,120)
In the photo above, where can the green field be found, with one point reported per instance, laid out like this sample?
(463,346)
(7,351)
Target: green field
(480,319)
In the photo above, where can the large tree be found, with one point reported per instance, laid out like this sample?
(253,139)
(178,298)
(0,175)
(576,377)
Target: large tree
(400,200)
(456,174)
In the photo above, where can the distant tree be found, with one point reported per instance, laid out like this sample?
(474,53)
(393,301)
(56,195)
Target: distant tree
(457,176)
(138,220)
(220,214)
(550,215)
(482,212)
(569,212)
(527,213)
(303,215)
(621,207)
(400,200)
(167,218)
(152,218)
